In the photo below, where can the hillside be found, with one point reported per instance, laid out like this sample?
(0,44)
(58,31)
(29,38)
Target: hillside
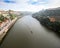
(50,18)
(48,12)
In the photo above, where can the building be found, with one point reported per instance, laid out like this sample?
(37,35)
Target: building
(57,18)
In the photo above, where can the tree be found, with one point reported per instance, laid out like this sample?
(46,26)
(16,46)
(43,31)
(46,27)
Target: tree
(1,18)
(12,16)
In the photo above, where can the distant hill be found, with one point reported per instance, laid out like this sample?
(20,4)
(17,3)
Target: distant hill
(17,13)
(48,12)
(24,13)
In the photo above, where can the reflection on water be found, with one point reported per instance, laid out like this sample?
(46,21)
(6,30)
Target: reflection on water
(29,33)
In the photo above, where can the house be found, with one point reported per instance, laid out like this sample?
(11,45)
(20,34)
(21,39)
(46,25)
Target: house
(57,18)
(52,19)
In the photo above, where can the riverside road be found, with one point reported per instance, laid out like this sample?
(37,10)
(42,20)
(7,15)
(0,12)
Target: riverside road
(27,32)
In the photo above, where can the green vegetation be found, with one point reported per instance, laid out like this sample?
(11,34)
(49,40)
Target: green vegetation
(43,18)
(55,26)
(48,12)
(1,18)
(12,16)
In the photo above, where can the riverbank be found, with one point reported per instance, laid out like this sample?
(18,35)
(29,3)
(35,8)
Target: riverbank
(27,32)
(4,31)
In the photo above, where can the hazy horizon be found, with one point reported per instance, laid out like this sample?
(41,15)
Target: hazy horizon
(28,5)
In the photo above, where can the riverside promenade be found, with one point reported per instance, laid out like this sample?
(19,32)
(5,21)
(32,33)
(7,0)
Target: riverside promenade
(5,29)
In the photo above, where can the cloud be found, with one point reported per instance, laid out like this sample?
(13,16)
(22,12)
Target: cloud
(38,2)
(29,5)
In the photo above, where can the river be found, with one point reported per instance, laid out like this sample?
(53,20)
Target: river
(27,32)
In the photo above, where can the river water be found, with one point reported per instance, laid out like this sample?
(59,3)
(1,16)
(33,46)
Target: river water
(27,32)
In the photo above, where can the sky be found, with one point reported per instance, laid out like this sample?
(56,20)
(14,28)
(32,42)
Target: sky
(28,5)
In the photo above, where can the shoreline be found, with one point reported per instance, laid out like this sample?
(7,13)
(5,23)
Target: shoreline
(4,31)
